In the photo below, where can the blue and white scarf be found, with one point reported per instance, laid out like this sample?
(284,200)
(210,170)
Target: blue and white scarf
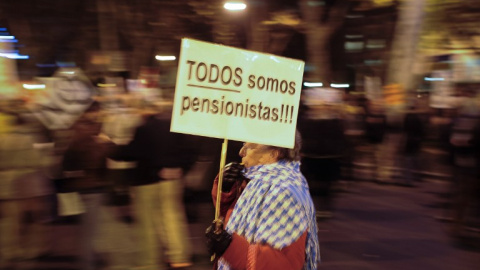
(276,209)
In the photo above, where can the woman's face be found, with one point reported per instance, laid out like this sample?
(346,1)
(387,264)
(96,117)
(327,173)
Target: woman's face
(257,154)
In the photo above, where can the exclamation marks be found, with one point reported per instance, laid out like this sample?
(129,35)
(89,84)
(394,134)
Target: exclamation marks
(281,115)
(288,111)
(286,114)
(291,114)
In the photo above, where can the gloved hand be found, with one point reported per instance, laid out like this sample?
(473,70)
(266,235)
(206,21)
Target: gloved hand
(218,239)
(232,173)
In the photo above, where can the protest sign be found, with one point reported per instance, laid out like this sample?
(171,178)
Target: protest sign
(230,93)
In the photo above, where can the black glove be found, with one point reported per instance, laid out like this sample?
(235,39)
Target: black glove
(218,239)
(232,173)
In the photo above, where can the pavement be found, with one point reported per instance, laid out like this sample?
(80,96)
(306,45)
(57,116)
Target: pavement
(393,227)
(374,226)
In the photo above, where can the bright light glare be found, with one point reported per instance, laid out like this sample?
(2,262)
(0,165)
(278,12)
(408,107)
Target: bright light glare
(234,6)
(33,86)
(9,40)
(312,84)
(13,56)
(434,79)
(340,85)
(7,37)
(165,57)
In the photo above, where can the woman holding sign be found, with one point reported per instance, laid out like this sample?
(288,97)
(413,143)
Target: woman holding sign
(269,215)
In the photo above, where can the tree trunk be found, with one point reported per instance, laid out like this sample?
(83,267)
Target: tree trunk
(321,22)
(316,36)
(405,42)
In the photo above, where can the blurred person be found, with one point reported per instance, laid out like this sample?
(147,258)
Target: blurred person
(440,124)
(465,141)
(322,152)
(120,121)
(354,132)
(268,213)
(24,191)
(413,127)
(119,124)
(84,172)
(375,129)
(157,191)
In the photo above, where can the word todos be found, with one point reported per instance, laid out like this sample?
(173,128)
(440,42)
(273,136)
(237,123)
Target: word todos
(233,76)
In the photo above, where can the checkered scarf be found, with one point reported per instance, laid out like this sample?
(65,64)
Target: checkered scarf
(276,209)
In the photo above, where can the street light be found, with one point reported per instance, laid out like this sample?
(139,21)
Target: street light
(165,57)
(234,6)
(339,85)
(312,84)
(33,86)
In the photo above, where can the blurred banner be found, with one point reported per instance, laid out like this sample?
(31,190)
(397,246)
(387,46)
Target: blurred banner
(322,96)
(67,95)
(230,93)
(328,103)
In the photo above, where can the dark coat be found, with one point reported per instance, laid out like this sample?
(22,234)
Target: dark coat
(322,138)
(84,166)
(154,147)
(414,132)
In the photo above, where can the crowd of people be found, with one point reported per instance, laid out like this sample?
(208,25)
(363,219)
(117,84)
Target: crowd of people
(365,139)
(120,170)
(119,165)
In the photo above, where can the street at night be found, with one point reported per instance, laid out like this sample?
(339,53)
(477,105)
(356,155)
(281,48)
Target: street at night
(373,227)
(239,135)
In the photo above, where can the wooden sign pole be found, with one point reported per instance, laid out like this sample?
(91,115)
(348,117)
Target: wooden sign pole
(223,158)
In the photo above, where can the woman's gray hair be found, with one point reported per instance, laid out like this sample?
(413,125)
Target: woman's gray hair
(290,154)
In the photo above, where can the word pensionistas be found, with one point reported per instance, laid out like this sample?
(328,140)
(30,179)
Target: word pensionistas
(282,113)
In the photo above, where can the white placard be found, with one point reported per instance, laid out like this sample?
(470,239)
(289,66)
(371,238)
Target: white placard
(235,94)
